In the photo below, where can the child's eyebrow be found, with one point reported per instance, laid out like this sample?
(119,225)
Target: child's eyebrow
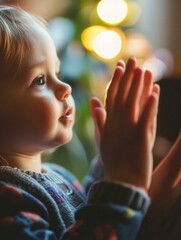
(40,62)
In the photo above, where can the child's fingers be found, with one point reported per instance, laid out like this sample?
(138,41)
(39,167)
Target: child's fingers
(133,100)
(156,89)
(99,119)
(113,88)
(148,86)
(99,116)
(94,103)
(96,110)
(125,83)
(121,63)
(149,116)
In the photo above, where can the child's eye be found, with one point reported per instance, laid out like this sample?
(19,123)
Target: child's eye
(39,81)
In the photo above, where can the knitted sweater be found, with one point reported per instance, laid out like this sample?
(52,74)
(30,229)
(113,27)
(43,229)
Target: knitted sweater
(51,206)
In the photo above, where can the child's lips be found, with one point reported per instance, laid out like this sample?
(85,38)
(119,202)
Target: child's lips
(68,114)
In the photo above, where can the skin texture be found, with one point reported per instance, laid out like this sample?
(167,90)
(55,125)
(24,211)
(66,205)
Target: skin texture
(126,127)
(37,109)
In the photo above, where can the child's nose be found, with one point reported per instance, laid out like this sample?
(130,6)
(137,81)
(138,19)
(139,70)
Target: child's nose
(63,91)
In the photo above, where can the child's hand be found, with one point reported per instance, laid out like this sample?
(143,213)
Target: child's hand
(128,133)
(98,113)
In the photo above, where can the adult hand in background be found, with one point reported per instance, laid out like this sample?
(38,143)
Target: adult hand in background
(166,179)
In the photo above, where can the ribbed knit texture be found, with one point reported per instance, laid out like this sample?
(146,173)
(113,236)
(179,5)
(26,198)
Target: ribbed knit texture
(51,206)
(52,189)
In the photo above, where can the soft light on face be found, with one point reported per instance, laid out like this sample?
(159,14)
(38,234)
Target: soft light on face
(38,108)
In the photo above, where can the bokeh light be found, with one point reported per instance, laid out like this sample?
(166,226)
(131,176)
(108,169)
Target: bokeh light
(107,44)
(104,42)
(112,11)
(137,45)
(157,67)
(89,34)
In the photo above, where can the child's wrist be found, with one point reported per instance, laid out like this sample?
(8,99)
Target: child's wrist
(128,181)
(136,187)
(104,192)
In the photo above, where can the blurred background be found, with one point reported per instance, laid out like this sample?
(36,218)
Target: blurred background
(90,37)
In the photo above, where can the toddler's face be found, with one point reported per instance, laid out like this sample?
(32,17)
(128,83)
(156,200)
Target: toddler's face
(37,109)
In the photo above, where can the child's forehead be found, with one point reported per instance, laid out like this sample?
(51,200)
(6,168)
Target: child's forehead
(17,29)
(24,36)
(40,61)
(40,41)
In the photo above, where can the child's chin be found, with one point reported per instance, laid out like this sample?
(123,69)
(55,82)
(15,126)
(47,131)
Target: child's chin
(63,140)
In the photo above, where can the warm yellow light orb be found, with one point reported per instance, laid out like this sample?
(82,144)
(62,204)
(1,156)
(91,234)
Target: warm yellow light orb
(112,11)
(89,34)
(107,44)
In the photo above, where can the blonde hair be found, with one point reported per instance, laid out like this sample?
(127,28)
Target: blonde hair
(15,23)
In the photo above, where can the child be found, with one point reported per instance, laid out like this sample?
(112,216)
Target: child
(39,201)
